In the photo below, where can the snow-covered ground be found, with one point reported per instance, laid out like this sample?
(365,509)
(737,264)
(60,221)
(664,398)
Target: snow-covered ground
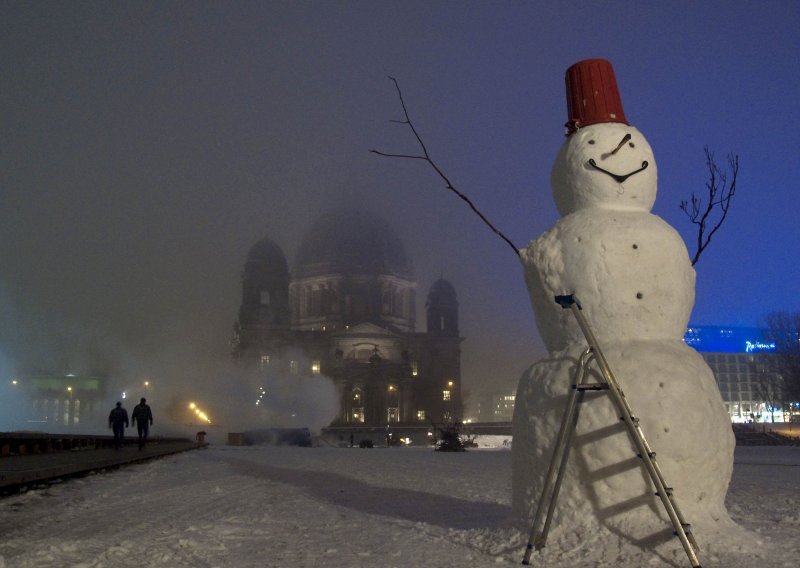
(285,506)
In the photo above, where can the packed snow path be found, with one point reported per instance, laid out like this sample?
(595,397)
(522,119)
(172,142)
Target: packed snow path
(284,506)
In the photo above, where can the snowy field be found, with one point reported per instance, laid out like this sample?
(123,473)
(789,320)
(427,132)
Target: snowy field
(286,506)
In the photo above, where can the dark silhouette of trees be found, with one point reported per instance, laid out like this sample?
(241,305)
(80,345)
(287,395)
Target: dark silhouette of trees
(769,388)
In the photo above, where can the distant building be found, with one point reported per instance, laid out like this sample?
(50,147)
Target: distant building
(346,309)
(741,358)
(489,406)
(57,399)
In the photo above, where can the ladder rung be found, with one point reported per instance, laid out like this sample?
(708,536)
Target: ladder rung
(592,387)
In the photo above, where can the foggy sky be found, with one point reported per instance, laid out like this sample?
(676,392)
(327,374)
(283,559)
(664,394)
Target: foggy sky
(145,147)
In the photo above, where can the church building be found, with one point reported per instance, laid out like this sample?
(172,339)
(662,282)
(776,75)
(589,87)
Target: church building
(346,309)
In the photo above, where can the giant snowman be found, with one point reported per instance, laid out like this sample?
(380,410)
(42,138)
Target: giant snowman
(631,273)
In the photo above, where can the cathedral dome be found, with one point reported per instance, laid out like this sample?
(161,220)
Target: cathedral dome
(268,254)
(442,293)
(352,241)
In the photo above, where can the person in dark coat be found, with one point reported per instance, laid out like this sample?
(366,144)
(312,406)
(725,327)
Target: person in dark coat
(118,421)
(143,418)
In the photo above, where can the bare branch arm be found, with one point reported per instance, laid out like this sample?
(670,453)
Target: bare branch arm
(426,157)
(720,195)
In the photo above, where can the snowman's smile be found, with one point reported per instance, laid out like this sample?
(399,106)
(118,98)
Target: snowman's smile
(617,177)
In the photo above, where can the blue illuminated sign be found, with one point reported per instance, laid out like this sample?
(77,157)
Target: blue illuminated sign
(714,339)
(753,346)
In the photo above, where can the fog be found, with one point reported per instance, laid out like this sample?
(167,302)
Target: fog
(144,148)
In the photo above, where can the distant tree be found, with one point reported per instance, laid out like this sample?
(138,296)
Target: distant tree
(783,329)
(449,437)
(769,388)
(709,215)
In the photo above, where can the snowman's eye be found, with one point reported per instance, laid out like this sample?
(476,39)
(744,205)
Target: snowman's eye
(591,141)
(631,144)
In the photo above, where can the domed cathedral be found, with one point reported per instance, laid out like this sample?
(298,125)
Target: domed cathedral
(347,310)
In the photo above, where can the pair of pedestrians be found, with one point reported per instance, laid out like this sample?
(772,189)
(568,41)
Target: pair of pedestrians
(118,420)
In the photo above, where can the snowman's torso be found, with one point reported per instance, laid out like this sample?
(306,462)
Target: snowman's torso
(629,269)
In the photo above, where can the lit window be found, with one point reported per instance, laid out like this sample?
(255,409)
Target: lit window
(358,415)
(293,367)
(264,360)
(446,395)
(393,414)
(315,367)
(414,368)
(421,415)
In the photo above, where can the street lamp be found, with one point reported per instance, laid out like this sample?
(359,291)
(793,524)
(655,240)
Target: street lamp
(70,409)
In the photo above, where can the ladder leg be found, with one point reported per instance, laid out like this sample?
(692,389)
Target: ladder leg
(560,454)
(542,540)
(635,432)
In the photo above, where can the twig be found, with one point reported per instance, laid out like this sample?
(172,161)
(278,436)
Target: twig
(426,157)
(719,198)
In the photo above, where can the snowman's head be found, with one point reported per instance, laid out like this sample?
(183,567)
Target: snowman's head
(608,166)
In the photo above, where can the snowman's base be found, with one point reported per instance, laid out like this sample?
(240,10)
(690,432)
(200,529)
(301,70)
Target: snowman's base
(601,550)
(606,492)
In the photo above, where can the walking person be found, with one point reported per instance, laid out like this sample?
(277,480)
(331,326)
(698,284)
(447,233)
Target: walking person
(143,418)
(118,421)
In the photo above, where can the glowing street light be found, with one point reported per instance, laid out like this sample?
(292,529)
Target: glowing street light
(199,413)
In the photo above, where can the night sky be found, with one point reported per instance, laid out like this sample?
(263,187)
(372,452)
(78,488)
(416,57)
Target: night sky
(145,147)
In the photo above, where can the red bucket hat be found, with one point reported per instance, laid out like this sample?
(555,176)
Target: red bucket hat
(592,95)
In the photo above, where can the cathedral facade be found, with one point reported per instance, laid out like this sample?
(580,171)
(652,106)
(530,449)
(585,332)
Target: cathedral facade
(346,309)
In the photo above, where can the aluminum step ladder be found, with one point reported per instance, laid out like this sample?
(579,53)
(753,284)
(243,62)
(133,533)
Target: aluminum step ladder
(558,463)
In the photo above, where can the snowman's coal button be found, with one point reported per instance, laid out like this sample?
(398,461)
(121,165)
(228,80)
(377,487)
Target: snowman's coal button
(635,246)
(639,295)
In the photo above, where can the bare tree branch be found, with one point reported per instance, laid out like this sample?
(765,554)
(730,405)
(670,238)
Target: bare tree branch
(719,194)
(426,157)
